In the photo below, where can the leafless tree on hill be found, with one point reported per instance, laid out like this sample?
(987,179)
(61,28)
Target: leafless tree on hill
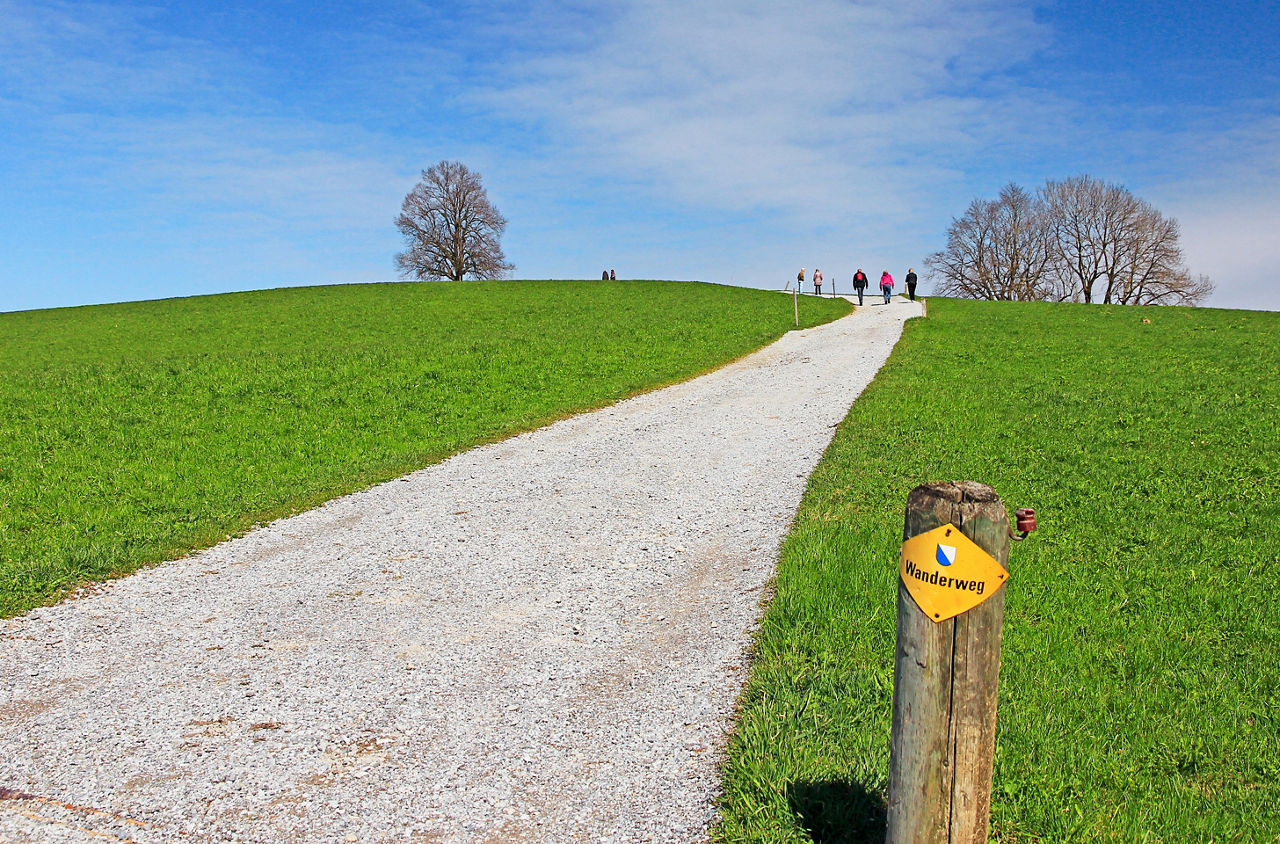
(999,249)
(1079,239)
(1085,218)
(1151,269)
(1109,244)
(451,229)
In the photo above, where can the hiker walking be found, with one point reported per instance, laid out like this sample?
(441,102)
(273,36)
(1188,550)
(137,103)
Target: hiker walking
(613,276)
(859,283)
(886,285)
(799,280)
(817,281)
(911,283)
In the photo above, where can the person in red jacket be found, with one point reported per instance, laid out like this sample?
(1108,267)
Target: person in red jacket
(817,281)
(886,285)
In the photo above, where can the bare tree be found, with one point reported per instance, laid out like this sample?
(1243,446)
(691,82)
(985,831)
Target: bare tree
(1079,239)
(1150,269)
(999,249)
(451,229)
(1086,218)
(1111,244)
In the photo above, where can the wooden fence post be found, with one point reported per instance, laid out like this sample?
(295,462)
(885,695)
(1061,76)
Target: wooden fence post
(945,679)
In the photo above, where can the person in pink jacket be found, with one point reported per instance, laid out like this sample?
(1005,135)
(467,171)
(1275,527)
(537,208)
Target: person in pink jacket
(886,285)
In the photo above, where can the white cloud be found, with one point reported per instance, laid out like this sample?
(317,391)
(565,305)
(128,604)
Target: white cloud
(839,133)
(716,140)
(817,108)
(164,152)
(94,56)
(783,133)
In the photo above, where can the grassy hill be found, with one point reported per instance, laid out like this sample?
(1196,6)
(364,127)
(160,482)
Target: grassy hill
(136,432)
(1140,685)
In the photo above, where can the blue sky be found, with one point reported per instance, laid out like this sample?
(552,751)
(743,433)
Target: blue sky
(153,150)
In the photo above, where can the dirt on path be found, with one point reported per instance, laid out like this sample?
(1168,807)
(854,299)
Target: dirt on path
(536,640)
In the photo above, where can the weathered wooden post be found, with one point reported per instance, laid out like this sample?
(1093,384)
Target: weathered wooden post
(947,663)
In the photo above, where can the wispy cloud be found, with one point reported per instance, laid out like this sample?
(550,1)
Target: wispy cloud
(715,140)
(165,151)
(853,132)
(813,109)
(101,58)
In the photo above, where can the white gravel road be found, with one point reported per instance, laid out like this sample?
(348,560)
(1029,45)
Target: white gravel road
(537,640)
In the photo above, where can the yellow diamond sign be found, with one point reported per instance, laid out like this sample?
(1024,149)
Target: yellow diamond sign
(947,573)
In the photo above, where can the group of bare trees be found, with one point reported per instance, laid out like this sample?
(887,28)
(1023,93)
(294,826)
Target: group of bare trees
(1077,240)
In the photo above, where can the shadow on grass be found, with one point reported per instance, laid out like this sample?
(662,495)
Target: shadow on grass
(838,812)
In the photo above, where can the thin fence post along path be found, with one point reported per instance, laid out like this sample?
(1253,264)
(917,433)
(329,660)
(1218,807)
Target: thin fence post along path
(947,663)
(538,640)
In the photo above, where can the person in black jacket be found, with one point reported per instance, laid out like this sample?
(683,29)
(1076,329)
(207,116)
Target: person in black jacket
(911,283)
(859,283)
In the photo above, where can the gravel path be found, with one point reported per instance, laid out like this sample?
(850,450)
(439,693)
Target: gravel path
(537,640)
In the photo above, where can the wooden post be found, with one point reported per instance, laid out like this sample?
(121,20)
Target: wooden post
(945,678)
(795,303)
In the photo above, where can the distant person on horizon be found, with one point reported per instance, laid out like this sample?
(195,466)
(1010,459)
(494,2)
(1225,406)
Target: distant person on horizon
(911,283)
(613,276)
(799,280)
(860,283)
(817,281)
(886,285)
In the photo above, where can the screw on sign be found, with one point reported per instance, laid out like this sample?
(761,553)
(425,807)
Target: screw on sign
(947,662)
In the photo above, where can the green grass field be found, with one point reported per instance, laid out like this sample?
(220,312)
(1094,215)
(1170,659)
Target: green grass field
(136,432)
(1140,691)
